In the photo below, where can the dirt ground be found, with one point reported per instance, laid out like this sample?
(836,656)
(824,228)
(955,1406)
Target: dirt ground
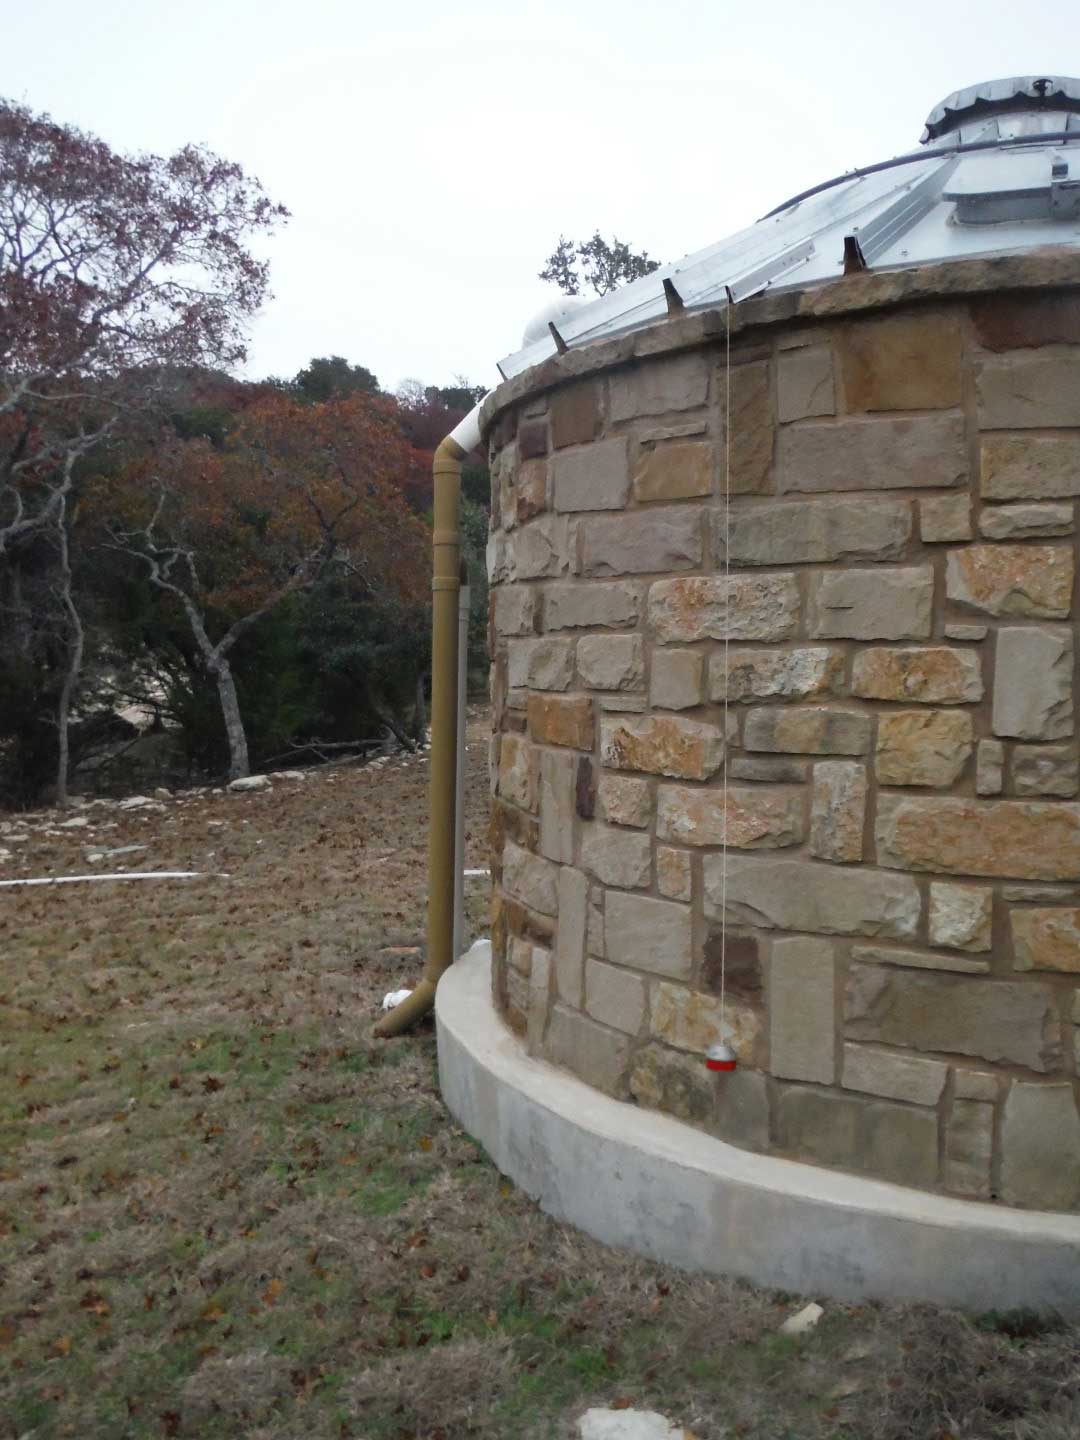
(225,1211)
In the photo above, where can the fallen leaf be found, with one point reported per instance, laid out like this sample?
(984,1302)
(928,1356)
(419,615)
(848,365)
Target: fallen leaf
(272,1291)
(212,1083)
(62,1346)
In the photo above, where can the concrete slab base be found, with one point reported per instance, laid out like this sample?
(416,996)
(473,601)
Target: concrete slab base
(637,1179)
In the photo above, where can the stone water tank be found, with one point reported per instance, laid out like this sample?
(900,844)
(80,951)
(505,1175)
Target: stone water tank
(891,625)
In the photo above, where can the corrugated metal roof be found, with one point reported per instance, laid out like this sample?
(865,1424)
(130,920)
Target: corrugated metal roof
(936,205)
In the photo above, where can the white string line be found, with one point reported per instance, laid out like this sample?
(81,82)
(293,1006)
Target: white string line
(727,667)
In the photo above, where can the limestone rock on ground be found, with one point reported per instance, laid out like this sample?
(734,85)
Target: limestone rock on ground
(601,1424)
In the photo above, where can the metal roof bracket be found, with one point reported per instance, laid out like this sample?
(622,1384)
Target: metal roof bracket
(854,259)
(560,344)
(675,302)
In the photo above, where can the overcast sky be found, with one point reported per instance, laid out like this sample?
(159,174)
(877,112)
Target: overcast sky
(431,154)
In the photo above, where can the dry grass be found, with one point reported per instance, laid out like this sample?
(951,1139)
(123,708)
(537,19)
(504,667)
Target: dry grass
(226,1212)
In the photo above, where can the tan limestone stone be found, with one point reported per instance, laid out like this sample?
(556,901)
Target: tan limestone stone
(576,417)
(650,935)
(1029,467)
(751,429)
(900,1144)
(1046,770)
(570,937)
(802,1010)
(642,542)
(594,927)
(960,915)
(514,609)
(803,674)
(540,664)
(1040,1147)
(710,607)
(518,771)
(772,769)
(945,517)
(989,767)
(662,745)
(540,548)
(623,702)
(690,1020)
(557,779)
(677,1084)
(615,997)
(591,1051)
(1026,391)
(838,810)
(969,1145)
(975,1085)
(561,720)
(883,604)
(611,662)
(624,800)
(807,730)
(1046,939)
(923,747)
(817,1126)
(804,895)
(617,857)
(532,879)
(1026,522)
(917,452)
(1033,682)
(574,606)
(893,1076)
(680,471)
(756,819)
(998,1020)
(742,1109)
(919,959)
(673,877)
(966,632)
(793,532)
(1033,580)
(655,387)
(902,362)
(596,477)
(805,385)
(931,675)
(539,999)
(1013,839)
(530,492)
(1010,322)
(675,679)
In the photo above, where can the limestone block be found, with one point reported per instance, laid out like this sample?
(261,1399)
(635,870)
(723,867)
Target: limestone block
(531,878)
(518,771)
(742,1109)
(969,1145)
(1010,322)
(802,674)
(673,877)
(642,542)
(650,935)
(570,937)
(771,769)
(662,745)
(919,959)
(514,608)
(677,1084)
(497,557)
(623,701)
(595,477)
(557,777)
(1033,682)
(655,387)
(575,605)
(540,664)
(807,730)
(893,1076)
(617,857)
(1040,1147)
(1045,770)
(594,926)
(751,428)
(690,1020)
(530,492)
(961,915)
(1046,939)
(975,1085)
(1029,467)
(1013,839)
(576,417)
(680,471)
(901,1144)
(540,548)
(675,679)
(814,1125)
(733,961)
(999,1020)
(756,818)
(562,720)
(918,452)
(802,895)
(597,1055)
(518,1001)
(883,604)
(802,1010)
(989,767)
(805,385)
(902,362)
(838,810)
(624,800)
(1026,522)
(930,675)
(793,532)
(966,632)
(923,747)
(1035,894)
(1039,390)
(615,997)
(539,998)
(945,517)
(1033,580)
(532,439)
(611,662)
(710,607)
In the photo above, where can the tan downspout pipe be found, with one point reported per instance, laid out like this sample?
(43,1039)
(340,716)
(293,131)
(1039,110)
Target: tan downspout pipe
(446,585)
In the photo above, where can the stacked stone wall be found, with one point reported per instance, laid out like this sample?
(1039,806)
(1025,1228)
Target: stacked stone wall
(902,825)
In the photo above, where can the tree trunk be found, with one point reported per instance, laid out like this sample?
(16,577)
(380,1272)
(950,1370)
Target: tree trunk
(239,763)
(73,674)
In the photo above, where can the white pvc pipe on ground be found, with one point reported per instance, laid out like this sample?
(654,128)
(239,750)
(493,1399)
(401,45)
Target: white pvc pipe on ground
(132,875)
